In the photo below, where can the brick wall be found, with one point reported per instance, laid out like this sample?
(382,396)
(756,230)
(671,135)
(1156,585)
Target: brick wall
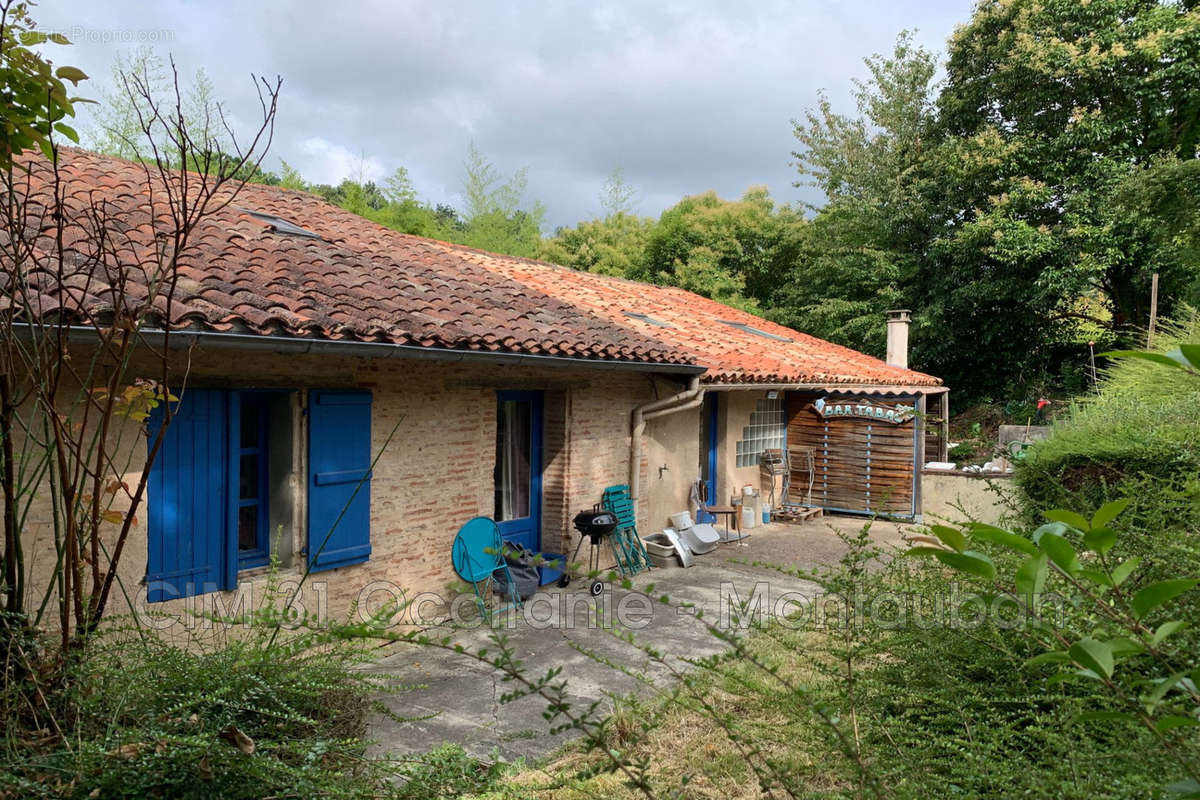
(435,474)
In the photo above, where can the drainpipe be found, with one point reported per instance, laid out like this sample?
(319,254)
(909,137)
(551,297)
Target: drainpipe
(688,398)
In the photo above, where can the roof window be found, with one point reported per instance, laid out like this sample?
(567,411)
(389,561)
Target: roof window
(281,225)
(757,332)
(646,318)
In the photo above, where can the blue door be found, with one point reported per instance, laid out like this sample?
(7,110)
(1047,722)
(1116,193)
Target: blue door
(518,471)
(708,458)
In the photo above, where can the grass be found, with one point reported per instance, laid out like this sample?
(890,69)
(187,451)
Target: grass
(687,747)
(938,712)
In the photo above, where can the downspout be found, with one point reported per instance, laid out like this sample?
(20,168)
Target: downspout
(688,398)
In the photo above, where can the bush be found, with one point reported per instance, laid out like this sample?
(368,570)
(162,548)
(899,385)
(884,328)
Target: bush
(1137,438)
(134,716)
(961,452)
(447,772)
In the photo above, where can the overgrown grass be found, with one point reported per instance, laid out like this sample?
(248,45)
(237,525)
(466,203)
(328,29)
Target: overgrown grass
(942,706)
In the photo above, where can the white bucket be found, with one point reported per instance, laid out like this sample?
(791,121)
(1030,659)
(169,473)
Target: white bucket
(681,521)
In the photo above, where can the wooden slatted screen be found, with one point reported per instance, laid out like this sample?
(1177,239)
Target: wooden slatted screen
(859,464)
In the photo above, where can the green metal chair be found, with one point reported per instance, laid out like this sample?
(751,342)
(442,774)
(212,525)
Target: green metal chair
(477,553)
(628,550)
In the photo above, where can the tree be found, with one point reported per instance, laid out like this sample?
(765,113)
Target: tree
(872,158)
(1168,192)
(1023,195)
(1051,110)
(33,92)
(290,177)
(839,279)
(853,261)
(70,411)
(398,188)
(125,115)
(117,131)
(732,251)
(493,217)
(614,245)
(617,196)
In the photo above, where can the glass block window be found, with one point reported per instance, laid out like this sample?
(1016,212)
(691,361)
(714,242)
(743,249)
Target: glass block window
(767,431)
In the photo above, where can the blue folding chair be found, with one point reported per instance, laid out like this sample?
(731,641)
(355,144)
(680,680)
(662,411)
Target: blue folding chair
(478,552)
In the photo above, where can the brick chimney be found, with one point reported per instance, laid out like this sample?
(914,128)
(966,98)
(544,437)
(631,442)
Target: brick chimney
(897,337)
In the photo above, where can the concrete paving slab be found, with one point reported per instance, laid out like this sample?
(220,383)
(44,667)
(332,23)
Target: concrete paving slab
(453,698)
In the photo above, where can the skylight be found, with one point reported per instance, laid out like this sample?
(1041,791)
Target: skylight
(281,225)
(647,318)
(749,329)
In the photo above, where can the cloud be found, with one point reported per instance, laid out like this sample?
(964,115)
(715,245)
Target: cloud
(326,162)
(684,96)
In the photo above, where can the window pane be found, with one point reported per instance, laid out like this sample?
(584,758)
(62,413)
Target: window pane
(248,479)
(249,421)
(514,429)
(248,528)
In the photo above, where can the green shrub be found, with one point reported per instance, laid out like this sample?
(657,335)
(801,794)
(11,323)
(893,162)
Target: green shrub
(961,452)
(135,716)
(447,772)
(1139,437)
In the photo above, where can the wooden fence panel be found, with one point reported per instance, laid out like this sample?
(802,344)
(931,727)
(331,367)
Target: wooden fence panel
(862,460)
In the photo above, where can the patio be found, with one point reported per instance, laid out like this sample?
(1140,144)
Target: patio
(459,697)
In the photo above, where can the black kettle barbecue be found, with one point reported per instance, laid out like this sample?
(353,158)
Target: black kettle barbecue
(597,526)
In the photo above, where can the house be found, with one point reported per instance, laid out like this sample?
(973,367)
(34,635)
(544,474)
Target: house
(351,395)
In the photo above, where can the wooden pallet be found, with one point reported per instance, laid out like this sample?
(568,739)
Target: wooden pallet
(796,515)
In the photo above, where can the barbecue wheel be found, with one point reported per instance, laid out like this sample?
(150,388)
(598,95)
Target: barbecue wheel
(597,588)
(563,581)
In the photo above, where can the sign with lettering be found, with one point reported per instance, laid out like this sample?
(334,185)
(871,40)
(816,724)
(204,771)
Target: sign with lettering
(897,414)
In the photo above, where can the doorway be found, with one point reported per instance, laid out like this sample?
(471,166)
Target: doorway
(518,470)
(708,454)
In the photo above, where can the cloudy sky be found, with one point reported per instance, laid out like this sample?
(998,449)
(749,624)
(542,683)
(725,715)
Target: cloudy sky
(683,96)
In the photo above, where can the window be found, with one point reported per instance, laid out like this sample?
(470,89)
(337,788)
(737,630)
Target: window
(767,431)
(253,500)
(221,486)
(756,331)
(281,225)
(647,319)
(514,455)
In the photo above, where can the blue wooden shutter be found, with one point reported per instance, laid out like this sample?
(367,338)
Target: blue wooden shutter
(339,478)
(188,542)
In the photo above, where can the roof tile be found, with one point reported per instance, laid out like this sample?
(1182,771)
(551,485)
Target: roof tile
(361,281)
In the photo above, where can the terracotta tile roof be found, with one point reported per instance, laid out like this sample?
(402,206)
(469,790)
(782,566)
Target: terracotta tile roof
(732,353)
(355,280)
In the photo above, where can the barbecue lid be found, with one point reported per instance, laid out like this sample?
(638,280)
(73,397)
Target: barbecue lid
(598,521)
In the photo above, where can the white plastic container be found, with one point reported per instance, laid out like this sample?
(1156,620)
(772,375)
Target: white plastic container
(748,520)
(751,503)
(681,521)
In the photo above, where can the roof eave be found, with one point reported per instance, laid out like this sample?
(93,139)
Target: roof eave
(181,339)
(859,388)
